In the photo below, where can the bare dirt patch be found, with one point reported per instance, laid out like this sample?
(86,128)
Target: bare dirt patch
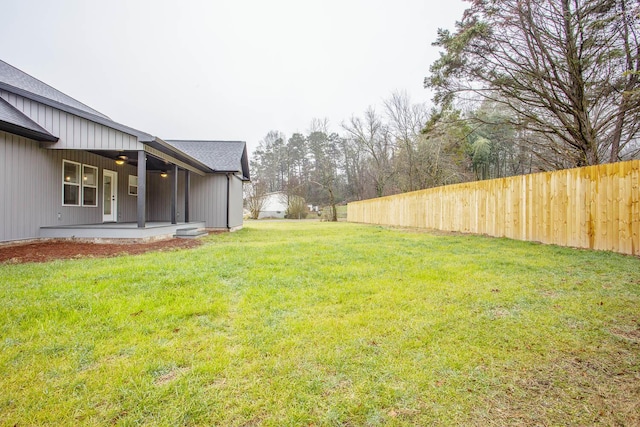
(48,250)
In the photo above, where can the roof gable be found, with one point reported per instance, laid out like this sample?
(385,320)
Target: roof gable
(18,79)
(216,156)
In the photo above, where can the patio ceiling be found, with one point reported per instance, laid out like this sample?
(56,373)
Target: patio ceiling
(154,163)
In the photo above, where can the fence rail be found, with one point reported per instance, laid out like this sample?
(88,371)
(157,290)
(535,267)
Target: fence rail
(596,207)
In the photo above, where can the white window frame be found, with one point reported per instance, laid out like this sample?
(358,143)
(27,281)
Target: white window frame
(74,184)
(133,183)
(95,186)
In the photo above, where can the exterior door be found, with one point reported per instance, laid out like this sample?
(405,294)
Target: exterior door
(109,196)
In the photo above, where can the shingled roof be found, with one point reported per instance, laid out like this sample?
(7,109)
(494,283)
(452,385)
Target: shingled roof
(217,156)
(17,81)
(220,156)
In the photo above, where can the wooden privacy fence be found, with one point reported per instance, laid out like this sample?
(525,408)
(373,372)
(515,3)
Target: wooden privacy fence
(596,207)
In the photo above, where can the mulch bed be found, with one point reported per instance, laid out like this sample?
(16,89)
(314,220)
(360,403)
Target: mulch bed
(48,250)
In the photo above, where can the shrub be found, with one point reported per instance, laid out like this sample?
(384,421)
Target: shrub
(297,208)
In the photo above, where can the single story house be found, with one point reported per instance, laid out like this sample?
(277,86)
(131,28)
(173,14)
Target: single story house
(67,170)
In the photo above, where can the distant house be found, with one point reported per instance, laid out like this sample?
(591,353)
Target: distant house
(275,206)
(67,170)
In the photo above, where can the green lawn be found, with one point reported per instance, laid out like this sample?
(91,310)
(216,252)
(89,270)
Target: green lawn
(311,323)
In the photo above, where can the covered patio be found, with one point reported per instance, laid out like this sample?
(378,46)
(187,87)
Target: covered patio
(160,158)
(71,171)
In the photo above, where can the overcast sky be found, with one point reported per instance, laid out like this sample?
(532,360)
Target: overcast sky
(229,70)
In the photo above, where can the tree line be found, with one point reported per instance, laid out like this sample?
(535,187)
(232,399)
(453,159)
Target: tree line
(520,87)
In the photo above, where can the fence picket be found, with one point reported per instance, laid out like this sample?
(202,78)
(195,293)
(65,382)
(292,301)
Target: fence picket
(595,207)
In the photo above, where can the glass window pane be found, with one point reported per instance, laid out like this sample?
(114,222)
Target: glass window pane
(90,196)
(71,195)
(71,173)
(89,176)
(133,185)
(107,195)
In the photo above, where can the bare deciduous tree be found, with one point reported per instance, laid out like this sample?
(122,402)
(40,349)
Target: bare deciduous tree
(406,120)
(255,197)
(568,68)
(373,138)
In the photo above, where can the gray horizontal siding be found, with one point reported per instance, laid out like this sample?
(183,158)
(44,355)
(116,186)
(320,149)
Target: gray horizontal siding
(74,132)
(31,188)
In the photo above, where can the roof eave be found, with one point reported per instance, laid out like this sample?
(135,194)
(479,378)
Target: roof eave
(47,101)
(27,133)
(106,121)
(245,163)
(188,158)
(242,175)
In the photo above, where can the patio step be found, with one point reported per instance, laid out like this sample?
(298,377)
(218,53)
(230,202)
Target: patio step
(190,233)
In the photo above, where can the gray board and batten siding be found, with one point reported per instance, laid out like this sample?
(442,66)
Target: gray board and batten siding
(211,193)
(219,197)
(74,132)
(19,81)
(41,128)
(236,204)
(14,121)
(31,192)
(31,188)
(20,84)
(208,199)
